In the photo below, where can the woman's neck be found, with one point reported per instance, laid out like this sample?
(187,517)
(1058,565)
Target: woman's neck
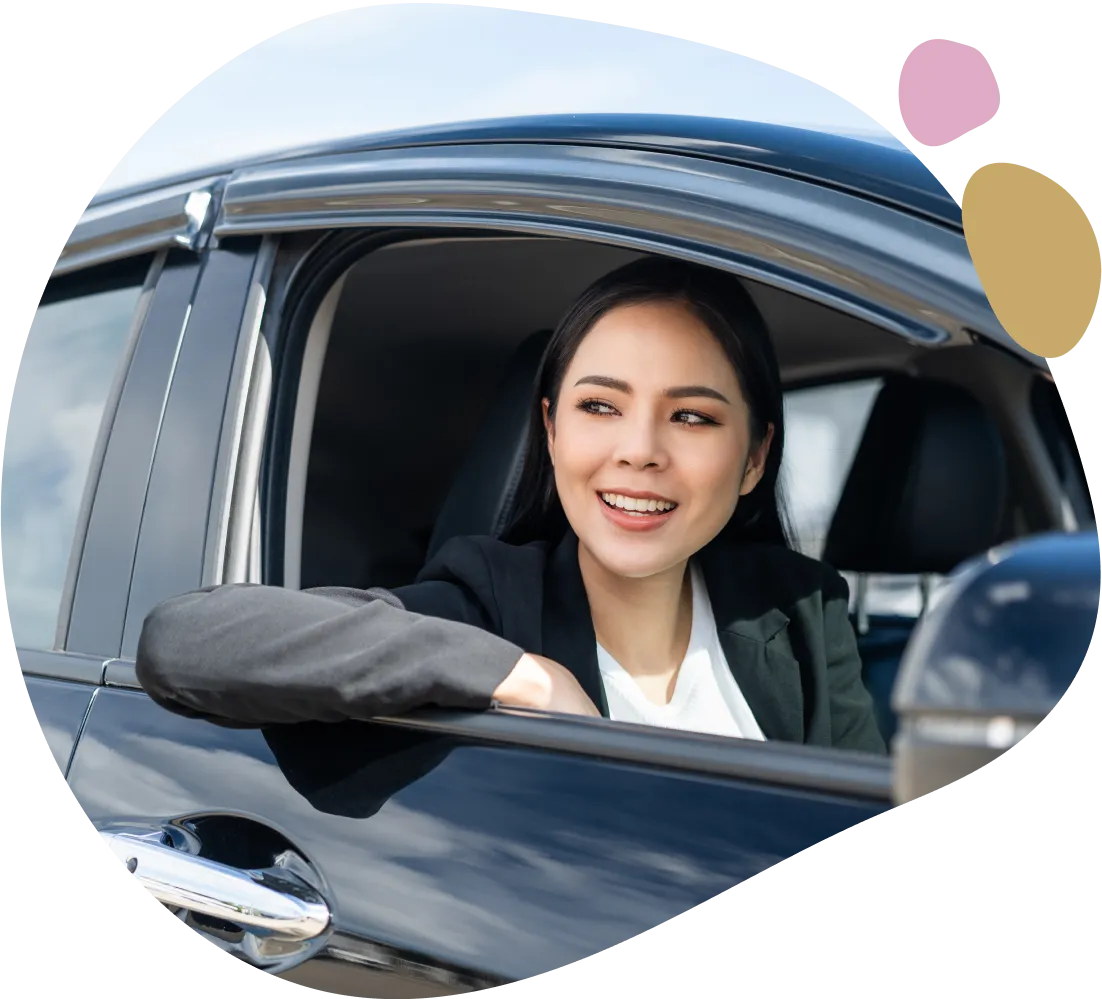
(644,624)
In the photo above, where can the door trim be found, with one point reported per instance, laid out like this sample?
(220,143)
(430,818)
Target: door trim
(74,667)
(788,764)
(172,217)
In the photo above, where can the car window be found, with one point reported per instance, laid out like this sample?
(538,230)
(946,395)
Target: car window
(76,343)
(823,429)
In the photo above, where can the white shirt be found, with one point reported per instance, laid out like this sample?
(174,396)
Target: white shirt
(706,697)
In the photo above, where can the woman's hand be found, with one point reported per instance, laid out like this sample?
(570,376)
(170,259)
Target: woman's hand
(539,682)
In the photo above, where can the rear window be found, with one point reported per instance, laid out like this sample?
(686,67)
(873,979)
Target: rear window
(74,349)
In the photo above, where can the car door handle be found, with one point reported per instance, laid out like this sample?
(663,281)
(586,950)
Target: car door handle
(265,902)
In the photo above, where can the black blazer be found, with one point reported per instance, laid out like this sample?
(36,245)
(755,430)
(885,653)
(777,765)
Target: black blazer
(244,654)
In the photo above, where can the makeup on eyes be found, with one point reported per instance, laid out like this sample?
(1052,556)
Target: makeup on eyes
(590,406)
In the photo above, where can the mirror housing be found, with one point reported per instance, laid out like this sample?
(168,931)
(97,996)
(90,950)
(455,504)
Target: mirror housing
(998,647)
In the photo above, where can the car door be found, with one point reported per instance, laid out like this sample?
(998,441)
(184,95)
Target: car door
(427,855)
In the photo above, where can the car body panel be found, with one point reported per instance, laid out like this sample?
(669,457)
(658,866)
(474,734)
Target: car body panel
(60,707)
(501,861)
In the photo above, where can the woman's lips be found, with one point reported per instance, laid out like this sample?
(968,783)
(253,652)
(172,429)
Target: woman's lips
(634,521)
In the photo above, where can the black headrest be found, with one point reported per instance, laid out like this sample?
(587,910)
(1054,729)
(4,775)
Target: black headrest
(927,487)
(482,495)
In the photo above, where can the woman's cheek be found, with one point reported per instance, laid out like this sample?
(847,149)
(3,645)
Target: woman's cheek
(574,469)
(718,479)
(581,455)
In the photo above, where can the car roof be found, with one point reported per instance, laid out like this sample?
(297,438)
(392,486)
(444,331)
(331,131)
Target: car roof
(872,169)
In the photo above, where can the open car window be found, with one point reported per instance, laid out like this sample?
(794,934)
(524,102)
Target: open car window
(403,366)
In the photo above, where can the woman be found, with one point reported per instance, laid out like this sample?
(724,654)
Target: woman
(646,577)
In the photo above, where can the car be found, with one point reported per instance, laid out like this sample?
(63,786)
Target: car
(313,367)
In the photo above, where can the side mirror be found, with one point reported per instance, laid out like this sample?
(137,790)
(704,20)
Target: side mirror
(998,647)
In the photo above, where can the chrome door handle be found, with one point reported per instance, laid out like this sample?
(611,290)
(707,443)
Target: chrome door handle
(262,902)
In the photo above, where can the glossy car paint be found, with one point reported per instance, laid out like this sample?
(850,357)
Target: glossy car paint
(1001,645)
(501,862)
(60,707)
(1009,634)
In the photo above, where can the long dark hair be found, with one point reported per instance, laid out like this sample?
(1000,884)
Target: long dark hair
(721,302)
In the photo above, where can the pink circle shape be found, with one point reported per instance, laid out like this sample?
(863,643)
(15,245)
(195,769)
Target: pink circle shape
(945,90)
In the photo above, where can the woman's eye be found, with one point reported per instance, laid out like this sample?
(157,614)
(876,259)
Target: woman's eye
(692,418)
(597,407)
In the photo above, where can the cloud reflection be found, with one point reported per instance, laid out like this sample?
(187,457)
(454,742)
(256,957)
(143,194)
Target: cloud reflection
(500,860)
(72,352)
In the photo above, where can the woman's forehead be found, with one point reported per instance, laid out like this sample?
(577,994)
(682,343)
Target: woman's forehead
(653,343)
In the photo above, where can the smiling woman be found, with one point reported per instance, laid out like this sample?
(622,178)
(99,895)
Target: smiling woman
(688,371)
(646,577)
(651,467)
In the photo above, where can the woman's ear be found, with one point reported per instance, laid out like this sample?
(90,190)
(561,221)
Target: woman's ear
(755,463)
(549,428)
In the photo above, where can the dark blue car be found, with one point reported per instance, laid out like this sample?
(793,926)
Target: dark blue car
(315,369)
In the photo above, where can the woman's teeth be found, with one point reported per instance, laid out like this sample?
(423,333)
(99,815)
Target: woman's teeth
(631,504)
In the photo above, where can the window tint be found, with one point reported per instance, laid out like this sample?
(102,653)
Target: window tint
(823,429)
(73,351)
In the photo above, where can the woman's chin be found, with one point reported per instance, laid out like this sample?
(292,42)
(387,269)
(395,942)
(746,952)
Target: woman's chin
(636,558)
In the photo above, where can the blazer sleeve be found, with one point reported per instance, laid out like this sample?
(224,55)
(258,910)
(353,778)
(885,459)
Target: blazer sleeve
(852,719)
(246,655)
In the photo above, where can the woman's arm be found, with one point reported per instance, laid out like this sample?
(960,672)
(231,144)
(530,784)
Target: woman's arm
(852,720)
(247,655)
(258,655)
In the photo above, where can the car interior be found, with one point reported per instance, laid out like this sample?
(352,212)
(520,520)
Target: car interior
(416,385)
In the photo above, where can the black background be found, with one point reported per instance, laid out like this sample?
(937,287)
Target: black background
(989,886)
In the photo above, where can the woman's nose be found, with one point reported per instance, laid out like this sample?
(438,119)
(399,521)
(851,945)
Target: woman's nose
(639,444)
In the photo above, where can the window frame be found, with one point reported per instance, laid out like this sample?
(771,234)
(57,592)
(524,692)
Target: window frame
(230,550)
(299,281)
(1046,409)
(291,201)
(180,498)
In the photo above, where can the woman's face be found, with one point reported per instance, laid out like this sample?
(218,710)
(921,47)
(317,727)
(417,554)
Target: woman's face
(651,439)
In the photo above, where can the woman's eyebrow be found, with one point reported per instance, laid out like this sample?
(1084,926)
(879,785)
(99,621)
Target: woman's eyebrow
(680,392)
(605,382)
(696,392)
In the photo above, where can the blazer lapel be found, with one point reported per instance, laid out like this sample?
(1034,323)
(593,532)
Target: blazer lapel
(568,635)
(754,638)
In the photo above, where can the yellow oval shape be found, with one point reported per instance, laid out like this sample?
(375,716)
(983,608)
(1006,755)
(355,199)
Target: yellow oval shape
(1036,255)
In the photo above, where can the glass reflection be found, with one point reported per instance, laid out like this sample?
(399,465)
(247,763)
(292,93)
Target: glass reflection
(72,353)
